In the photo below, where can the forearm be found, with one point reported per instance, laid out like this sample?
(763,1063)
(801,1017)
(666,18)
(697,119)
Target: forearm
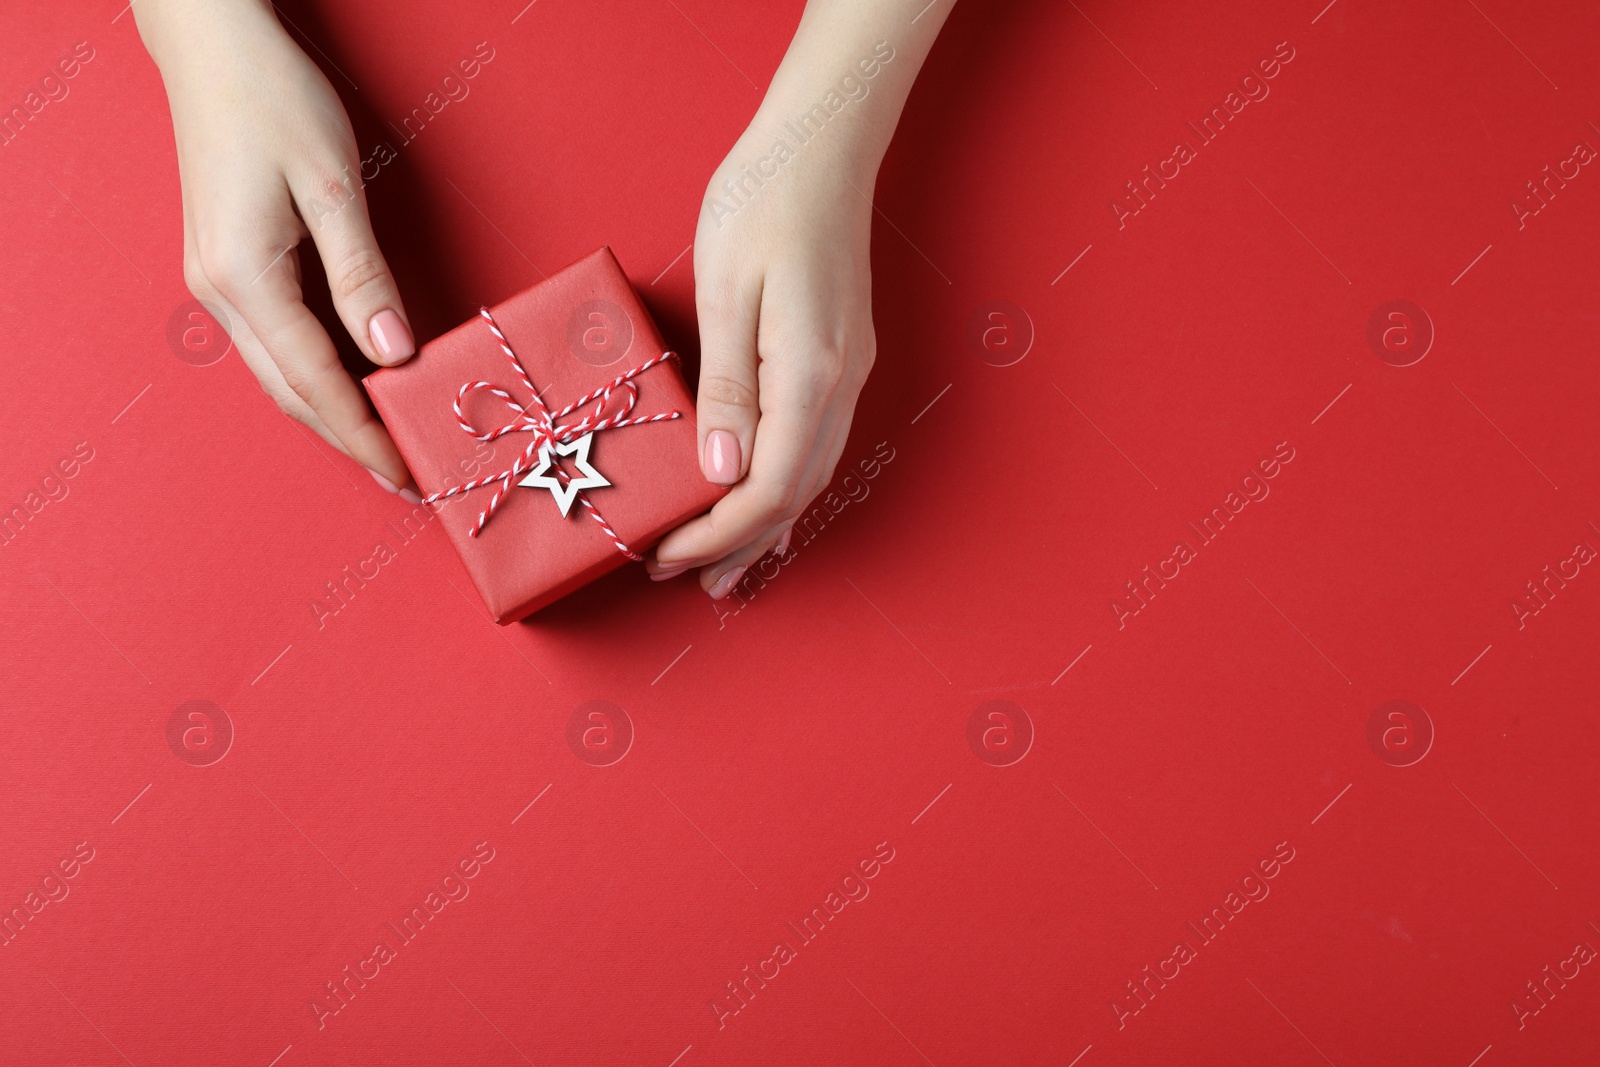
(184,32)
(844,81)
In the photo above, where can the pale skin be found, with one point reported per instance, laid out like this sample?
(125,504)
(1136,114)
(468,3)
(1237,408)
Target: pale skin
(782,268)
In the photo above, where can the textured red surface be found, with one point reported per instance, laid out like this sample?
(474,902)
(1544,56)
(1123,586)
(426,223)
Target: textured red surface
(839,713)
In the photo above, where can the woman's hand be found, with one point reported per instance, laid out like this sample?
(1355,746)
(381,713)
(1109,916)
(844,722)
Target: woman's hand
(784,293)
(783,279)
(267,158)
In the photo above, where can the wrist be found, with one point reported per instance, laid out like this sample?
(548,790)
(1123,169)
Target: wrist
(832,117)
(822,128)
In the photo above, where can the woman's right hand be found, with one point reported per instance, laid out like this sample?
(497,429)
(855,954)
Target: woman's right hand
(267,158)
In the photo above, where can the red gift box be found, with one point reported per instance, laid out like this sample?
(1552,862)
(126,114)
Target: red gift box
(515,376)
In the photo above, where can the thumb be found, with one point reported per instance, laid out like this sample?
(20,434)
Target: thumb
(364,292)
(728,404)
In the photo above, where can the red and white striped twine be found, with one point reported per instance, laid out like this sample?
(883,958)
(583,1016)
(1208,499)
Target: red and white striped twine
(546,429)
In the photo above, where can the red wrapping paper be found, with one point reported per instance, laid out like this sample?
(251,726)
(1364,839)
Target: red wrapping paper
(574,333)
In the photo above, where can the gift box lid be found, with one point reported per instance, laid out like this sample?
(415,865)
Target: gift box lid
(574,333)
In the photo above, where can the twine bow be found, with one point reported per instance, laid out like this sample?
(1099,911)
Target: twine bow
(546,431)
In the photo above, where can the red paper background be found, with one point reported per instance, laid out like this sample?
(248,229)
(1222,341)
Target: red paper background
(772,749)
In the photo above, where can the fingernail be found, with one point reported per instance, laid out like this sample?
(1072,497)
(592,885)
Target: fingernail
(783,542)
(390,336)
(661,576)
(411,496)
(722,458)
(726,583)
(388,486)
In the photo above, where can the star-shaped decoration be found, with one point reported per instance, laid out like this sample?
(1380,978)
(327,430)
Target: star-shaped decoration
(587,477)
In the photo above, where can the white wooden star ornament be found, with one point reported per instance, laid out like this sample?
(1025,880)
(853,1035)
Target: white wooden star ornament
(587,477)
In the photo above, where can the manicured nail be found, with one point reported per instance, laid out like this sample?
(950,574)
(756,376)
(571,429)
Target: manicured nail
(783,542)
(661,576)
(726,583)
(411,496)
(390,336)
(722,458)
(388,486)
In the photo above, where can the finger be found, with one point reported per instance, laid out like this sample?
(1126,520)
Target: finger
(831,439)
(269,377)
(720,579)
(271,381)
(250,351)
(775,540)
(269,302)
(728,405)
(364,291)
(817,475)
(794,400)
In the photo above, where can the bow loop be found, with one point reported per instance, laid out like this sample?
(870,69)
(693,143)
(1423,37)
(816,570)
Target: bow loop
(547,431)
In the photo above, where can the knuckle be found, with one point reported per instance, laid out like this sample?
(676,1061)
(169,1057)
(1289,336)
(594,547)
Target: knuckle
(867,355)
(360,272)
(194,277)
(825,370)
(821,481)
(302,384)
(777,500)
(220,261)
(287,402)
(720,391)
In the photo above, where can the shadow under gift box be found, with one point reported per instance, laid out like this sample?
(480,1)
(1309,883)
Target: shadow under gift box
(573,333)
